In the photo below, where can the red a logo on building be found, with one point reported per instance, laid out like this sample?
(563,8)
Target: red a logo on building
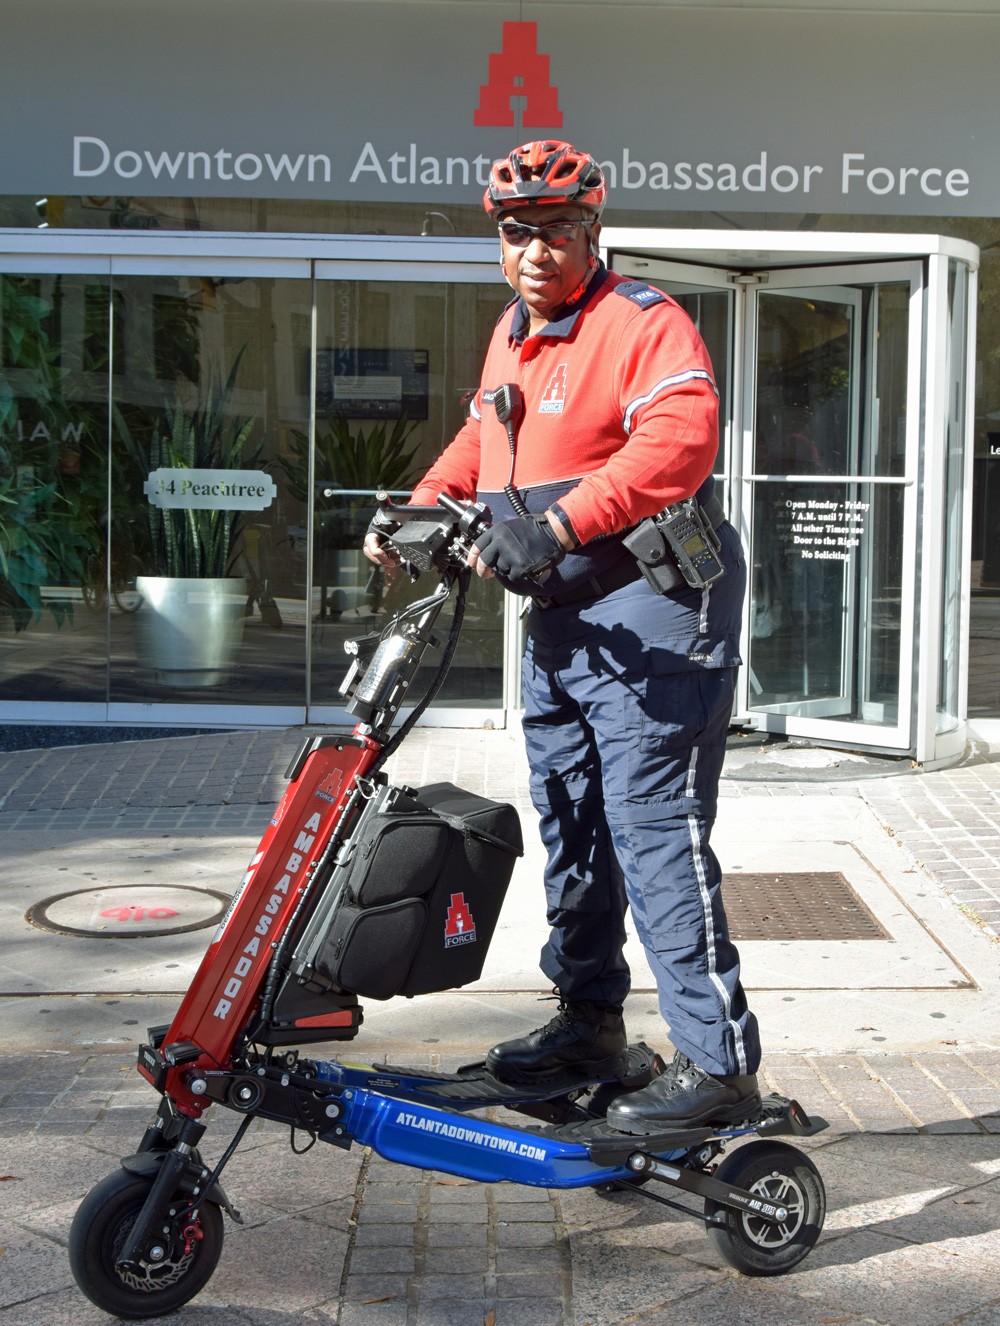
(459,927)
(518,70)
(554,395)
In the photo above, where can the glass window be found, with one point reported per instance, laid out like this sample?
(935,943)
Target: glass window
(54,587)
(209,392)
(397,363)
(805,384)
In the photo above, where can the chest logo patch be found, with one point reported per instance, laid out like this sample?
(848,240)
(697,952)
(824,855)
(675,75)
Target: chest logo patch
(554,396)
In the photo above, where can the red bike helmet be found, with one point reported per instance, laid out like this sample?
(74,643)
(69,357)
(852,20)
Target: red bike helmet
(545,171)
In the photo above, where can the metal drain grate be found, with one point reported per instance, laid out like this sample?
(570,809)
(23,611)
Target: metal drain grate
(812,904)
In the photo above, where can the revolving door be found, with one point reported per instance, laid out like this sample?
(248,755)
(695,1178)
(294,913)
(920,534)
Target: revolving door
(845,460)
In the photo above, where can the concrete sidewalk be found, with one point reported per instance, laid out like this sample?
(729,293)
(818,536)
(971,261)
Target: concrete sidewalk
(892,1039)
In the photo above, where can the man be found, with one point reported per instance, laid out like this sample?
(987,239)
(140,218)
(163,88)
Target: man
(627,692)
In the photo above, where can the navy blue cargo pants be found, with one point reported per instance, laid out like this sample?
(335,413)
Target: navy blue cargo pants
(627,702)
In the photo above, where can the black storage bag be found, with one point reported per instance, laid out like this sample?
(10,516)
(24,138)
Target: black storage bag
(464,905)
(399,854)
(371,948)
(425,885)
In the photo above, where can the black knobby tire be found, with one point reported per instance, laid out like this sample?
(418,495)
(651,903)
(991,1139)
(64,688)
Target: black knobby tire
(780,1174)
(99,1230)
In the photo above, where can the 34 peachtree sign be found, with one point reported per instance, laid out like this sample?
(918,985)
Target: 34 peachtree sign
(694,108)
(210,490)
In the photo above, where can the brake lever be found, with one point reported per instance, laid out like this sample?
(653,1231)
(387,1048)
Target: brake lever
(474,517)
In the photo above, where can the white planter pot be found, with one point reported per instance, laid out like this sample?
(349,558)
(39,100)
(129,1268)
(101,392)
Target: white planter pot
(187,631)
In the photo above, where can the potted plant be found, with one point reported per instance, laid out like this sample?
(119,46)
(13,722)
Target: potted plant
(190,623)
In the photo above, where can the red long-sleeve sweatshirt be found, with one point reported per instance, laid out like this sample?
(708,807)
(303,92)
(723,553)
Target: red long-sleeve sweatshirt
(621,412)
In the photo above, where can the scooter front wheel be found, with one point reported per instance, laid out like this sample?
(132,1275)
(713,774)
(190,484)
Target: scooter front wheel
(778,1174)
(150,1288)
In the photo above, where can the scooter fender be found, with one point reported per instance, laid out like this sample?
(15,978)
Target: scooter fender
(147,1164)
(428,1138)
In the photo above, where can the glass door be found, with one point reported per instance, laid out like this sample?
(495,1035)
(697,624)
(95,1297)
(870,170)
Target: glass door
(806,428)
(817,460)
(831,421)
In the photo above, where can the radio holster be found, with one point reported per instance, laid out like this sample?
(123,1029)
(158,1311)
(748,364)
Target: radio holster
(679,545)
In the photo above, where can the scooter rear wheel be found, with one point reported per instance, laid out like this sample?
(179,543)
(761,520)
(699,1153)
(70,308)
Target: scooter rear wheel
(778,1173)
(152,1289)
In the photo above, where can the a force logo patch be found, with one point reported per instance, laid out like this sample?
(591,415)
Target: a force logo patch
(329,788)
(554,396)
(459,927)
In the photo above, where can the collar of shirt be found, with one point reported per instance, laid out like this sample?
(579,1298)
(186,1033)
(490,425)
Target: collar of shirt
(565,320)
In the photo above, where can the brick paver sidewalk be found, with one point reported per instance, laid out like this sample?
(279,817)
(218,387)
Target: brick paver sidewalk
(910,1163)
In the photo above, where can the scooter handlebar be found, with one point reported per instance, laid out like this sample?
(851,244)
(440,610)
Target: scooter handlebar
(438,536)
(473,517)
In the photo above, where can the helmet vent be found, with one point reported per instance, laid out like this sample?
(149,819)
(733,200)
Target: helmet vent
(545,172)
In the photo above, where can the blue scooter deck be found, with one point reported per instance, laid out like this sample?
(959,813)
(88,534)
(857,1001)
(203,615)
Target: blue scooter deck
(473,1086)
(777,1116)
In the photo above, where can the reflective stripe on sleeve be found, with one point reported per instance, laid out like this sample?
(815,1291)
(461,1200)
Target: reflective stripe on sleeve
(664,385)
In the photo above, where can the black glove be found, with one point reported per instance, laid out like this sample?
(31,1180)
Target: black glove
(525,547)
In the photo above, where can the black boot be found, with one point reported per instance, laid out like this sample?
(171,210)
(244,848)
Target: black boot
(683,1097)
(584,1040)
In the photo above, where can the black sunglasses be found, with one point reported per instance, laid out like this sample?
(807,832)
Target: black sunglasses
(555,235)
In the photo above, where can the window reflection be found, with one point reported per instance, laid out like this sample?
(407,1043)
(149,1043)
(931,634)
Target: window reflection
(199,409)
(173,567)
(54,575)
(397,365)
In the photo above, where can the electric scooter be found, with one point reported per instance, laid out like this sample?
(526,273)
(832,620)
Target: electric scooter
(362,888)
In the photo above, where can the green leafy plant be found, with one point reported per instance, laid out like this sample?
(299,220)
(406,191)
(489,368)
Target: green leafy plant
(351,466)
(41,543)
(47,530)
(196,543)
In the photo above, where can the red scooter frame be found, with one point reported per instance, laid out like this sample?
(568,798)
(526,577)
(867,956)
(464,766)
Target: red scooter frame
(225,994)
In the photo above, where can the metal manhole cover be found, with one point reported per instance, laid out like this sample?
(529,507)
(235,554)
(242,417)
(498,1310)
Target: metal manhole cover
(812,904)
(123,912)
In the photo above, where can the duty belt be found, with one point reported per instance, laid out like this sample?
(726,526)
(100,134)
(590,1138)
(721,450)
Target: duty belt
(625,571)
